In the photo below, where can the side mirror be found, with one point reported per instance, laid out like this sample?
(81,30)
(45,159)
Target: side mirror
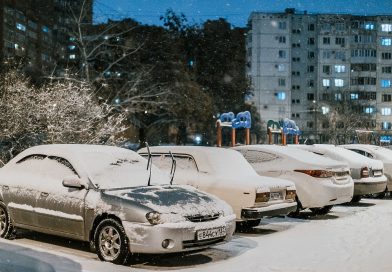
(73,182)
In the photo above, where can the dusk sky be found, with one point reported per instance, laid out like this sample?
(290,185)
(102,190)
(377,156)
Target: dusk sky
(235,11)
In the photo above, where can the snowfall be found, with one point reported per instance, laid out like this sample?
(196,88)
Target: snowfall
(354,237)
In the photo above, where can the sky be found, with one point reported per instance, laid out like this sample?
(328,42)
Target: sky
(234,11)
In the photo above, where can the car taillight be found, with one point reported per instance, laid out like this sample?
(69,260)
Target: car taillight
(364,172)
(317,173)
(263,197)
(290,194)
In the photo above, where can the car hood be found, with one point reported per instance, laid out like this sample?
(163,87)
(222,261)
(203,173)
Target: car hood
(173,199)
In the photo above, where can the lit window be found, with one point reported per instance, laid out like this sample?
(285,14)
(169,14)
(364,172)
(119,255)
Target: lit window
(338,96)
(71,47)
(385,111)
(72,39)
(20,27)
(386,41)
(386,27)
(72,56)
(339,82)
(326,82)
(281,95)
(385,83)
(353,96)
(386,125)
(369,26)
(16,46)
(340,68)
(281,68)
(324,110)
(369,110)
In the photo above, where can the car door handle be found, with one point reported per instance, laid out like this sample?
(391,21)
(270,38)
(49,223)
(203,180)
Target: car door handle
(6,187)
(44,194)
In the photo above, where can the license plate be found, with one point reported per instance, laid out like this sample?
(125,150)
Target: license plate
(275,196)
(210,233)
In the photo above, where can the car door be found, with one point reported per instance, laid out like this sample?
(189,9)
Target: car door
(21,189)
(60,209)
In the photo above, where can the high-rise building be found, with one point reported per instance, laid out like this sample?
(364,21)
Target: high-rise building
(302,66)
(38,31)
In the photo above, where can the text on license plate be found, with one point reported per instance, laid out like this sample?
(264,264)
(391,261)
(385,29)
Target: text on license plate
(210,233)
(275,196)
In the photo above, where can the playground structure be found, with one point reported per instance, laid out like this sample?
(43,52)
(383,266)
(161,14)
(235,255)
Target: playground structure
(242,120)
(364,136)
(285,129)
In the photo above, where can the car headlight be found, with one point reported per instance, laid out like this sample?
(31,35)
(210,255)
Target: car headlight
(290,194)
(153,217)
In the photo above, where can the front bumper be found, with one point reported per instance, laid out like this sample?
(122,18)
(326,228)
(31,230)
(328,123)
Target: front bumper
(271,210)
(370,185)
(146,238)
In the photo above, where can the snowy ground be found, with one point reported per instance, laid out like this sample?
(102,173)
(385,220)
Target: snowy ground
(351,238)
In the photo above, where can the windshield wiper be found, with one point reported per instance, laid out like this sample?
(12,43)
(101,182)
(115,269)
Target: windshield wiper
(173,168)
(149,163)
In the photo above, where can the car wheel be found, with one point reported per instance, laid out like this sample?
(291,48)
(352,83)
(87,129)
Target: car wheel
(248,224)
(356,199)
(297,210)
(6,228)
(111,242)
(321,211)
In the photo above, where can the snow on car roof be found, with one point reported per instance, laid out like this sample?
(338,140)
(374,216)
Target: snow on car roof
(383,153)
(299,155)
(339,153)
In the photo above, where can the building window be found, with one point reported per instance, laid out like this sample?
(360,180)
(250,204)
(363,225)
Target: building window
(326,82)
(340,26)
(311,27)
(340,68)
(385,83)
(72,56)
(295,87)
(368,26)
(340,55)
(21,27)
(369,110)
(71,47)
(386,41)
(386,70)
(282,54)
(311,41)
(326,54)
(354,96)
(340,41)
(281,67)
(324,110)
(326,40)
(386,55)
(386,98)
(295,73)
(338,96)
(281,96)
(363,53)
(385,111)
(296,59)
(309,124)
(45,29)
(386,27)
(339,82)
(282,82)
(282,25)
(386,125)
(311,55)
(310,83)
(326,69)
(282,39)
(310,96)
(310,68)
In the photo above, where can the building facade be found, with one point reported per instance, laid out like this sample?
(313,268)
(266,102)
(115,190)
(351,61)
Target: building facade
(37,32)
(304,66)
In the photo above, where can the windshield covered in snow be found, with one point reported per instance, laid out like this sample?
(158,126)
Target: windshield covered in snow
(120,169)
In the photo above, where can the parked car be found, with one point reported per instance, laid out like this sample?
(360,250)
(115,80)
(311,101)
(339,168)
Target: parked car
(368,174)
(105,195)
(320,182)
(379,153)
(226,174)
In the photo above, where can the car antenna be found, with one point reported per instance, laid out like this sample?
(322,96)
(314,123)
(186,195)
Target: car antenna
(173,168)
(149,164)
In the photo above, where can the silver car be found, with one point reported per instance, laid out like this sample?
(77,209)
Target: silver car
(107,196)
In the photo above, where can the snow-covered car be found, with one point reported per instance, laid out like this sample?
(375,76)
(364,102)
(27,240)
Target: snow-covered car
(379,153)
(226,174)
(105,195)
(368,174)
(320,182)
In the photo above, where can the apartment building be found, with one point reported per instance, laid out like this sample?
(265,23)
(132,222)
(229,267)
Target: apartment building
(302,65)
(37,32)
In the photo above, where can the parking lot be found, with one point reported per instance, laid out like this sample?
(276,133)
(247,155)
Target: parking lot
(352,237)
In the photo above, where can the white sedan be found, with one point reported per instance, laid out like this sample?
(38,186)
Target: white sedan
(226,174)
(320,182)
(379,153)
(368,174)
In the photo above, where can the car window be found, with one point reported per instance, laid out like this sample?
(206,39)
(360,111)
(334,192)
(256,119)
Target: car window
(183,162)
(257,156)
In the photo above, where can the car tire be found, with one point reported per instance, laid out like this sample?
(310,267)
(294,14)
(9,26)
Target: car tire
(111,242)
(6,228)
(299,208)
(248,224)
(321,211)
(356,199)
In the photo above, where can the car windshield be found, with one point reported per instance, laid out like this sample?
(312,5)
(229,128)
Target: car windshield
(109,170)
